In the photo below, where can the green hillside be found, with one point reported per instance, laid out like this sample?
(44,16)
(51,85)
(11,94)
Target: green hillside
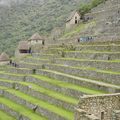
(22,19)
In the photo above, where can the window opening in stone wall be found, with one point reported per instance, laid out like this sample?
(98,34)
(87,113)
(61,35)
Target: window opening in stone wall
(102,115)
(75,20)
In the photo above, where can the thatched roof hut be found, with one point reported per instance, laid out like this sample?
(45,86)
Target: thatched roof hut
(72,15)
(36,36)
(23,45)
(4,57)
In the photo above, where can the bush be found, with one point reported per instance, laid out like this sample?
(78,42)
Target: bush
(86,8)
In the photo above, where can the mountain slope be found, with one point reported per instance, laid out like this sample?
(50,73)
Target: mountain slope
(19,19)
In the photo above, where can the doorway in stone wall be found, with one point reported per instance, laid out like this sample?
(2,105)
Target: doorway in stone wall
(102,115)
(76,20)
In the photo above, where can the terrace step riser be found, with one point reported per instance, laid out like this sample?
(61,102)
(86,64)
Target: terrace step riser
(12,77)
(78,82)
(67,91)
(36,61)
(101,65)
(42,56)
(50,115)
(12,112)
(104,77)
(96,56)
(31,92)
(99,48)
(20,71)
(59,103)
(100,43)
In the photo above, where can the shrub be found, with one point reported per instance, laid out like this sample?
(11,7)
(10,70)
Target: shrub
(87,7)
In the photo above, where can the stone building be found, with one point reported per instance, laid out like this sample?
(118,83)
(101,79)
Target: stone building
(73,19)
(23,47)
(100,107)
(36,39)
(4,58)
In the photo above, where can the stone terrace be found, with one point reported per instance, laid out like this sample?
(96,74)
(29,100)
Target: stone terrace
(48,85)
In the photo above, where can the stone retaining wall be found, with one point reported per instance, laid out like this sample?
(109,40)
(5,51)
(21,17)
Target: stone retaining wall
(47,85)
(45,97)
(13,113)
(80,82)
(97,56)
(102,106)
(37,61)
(112,48)
(114,66)
(37,94)
(20,71)
(30,66)
(12,77)
(44,112)
(92,74)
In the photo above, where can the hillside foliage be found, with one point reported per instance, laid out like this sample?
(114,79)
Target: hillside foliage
(87,7)
(19,20)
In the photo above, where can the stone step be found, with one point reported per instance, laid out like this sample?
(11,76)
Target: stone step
(100,64)
(92,55)
(43,108)
(92,73)
(42,93)
(98,85)
(5,116)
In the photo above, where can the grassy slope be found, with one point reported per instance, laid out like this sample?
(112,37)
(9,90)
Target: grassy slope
(4,116)
(78,29)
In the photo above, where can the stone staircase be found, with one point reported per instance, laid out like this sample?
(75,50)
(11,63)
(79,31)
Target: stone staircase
(48,85)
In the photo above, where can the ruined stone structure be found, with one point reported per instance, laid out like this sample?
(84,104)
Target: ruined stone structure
(4,58)
(100,107)
(36,39)
(73,19)
(23,49)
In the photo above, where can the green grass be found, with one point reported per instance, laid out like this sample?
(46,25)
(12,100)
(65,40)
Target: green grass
(53,94)
(83,79)
(78,29)
(60,111)
(68,85)
(21,109)
(5,116)
(45,91)
(87,68)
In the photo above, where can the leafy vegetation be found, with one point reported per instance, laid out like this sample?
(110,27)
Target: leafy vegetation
(87,7)
(78,29)
(23,18)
